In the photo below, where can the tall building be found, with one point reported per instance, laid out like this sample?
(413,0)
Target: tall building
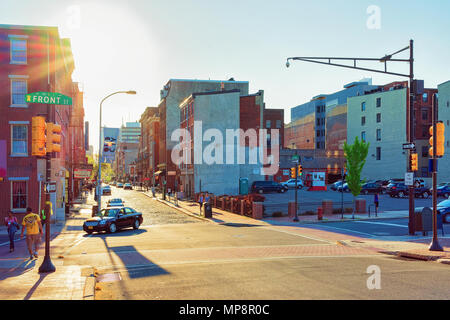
(36,59)
(148,145)
(172,94)
(130,133)
(380,118)
(444,116)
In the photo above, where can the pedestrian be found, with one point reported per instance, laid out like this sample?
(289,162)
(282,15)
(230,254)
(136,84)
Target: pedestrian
(13,226)
(207,197)
(32,223)
(153,190)
(200,202)
(376,202)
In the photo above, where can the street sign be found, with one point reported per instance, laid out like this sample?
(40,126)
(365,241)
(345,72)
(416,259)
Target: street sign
(79,173)
(48,98)
(408,146)
(295,157)
(50,187)
(409,178)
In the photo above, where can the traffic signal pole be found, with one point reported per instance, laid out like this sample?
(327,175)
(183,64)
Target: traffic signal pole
(333,61)
(435,246)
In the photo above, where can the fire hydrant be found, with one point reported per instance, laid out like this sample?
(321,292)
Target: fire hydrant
(319,213)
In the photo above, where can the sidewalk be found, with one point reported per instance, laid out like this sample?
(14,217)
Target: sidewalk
(20,279)
(407,247)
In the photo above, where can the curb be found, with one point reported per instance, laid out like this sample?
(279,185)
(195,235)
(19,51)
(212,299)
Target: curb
(89,288)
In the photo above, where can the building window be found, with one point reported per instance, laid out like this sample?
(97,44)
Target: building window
(425,97)
(318,122)
(425,131)
(19,140)
(378,153)
(318,145)
(378,102)
(19,195)
(317,133)
(278,124)
(424,172)
(268,124)
(363,121)
(378,134)
(378,117)
(425,152)
(424,113)
(18,91)
(363,106)
(18,51)
(363,136)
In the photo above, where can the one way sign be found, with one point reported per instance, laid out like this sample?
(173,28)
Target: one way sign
(50,187)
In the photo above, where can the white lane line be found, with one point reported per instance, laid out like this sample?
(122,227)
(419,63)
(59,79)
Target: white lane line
(383,223)
(367,234)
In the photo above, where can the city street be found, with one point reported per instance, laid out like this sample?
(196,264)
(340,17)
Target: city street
(175,256)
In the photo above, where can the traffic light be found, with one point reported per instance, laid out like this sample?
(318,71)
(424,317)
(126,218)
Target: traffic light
(300,170)
(414,162)
(38,136)
(293,173)
(53,137)
(440,139)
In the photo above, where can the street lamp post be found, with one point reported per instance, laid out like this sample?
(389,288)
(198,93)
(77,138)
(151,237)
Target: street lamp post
(410,119)
(100,148)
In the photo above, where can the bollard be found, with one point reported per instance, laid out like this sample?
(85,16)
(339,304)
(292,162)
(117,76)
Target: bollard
(242,207)
(291,210)
(360,205)
(327,207)
(257,210)
(319,213)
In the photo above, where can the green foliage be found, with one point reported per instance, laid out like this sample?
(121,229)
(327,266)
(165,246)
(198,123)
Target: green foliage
(356,155)
(107,170)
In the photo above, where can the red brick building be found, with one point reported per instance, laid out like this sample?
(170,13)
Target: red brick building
(34,59)
(148,145)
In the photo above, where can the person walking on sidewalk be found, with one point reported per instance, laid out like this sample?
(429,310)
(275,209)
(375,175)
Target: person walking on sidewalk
(200,202)
(32,223)
(13,226)
(376,202)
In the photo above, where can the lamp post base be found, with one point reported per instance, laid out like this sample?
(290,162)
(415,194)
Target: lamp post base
(435,246)
(47,266)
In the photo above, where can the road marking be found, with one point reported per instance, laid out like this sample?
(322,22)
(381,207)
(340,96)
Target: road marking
(298,235)
(383,223)
(367,234)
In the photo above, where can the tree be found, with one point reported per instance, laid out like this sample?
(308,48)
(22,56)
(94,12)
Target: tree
(107,170)
(356,155)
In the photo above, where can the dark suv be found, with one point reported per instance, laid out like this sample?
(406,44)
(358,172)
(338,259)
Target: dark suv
(267,186)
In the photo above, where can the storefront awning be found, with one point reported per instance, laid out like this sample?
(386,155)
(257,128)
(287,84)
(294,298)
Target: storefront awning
(157,173)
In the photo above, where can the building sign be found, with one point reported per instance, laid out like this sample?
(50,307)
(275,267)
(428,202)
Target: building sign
(110,136)
(81,173)
(48,98)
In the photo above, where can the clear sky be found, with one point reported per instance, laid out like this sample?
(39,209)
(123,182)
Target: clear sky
(141,44)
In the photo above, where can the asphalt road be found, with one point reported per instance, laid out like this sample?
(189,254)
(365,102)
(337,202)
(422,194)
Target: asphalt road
(174,256)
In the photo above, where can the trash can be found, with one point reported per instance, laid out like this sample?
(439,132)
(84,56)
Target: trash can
(94,210)
(207,210)
(418,219)
(427,221)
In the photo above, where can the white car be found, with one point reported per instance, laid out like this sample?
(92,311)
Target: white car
(291,183)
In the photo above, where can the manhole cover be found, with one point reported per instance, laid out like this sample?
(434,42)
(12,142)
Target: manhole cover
(109,277)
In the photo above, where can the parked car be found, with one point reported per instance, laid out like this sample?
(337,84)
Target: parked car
(344,188)
(127,186)
(106,190)
(443,191)
(113,219)
(116,202)
(291,183)
(371,187)
(401,190)
(120,185)
(444,209)
(267,186)
(335,185)
(383,184)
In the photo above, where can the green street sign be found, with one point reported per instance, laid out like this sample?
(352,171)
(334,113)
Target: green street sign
(48,98)
(295,157)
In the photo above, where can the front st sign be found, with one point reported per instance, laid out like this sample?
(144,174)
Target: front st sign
(48,98)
